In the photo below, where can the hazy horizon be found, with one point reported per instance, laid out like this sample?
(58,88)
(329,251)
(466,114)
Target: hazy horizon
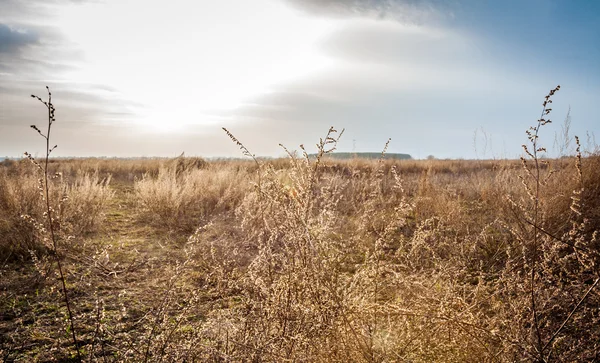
(452,79)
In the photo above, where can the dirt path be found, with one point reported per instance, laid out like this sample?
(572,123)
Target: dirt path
(123,273)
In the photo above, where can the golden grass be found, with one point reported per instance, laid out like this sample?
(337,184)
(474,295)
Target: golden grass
(406,260)
(310,259)
(81,200)
(183,199)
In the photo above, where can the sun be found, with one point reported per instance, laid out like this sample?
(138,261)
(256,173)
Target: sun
(181,59)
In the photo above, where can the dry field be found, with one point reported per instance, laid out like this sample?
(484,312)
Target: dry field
(301,259)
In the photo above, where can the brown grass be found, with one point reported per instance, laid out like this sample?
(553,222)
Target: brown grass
(82,200)
(181,199)
(316,260)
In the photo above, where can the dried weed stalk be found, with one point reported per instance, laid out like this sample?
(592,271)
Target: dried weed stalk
(51,223)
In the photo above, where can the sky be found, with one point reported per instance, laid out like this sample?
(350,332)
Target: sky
(448,78)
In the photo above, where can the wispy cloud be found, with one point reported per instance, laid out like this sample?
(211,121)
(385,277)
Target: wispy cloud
(14,40)
(33,10)
(406,11)
(388,43)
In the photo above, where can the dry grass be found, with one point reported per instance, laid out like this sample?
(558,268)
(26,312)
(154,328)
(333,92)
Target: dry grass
(183,198)
(82,200)
(315,260)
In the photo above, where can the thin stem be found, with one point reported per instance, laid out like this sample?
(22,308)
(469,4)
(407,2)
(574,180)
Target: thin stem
(51,225)
(535,231)
(570,315)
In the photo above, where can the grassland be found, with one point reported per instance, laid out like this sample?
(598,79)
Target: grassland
(302,259)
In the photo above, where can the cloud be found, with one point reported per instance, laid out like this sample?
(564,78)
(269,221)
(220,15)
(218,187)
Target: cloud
(368,41)
(34,53)
(31,43)
(30,52)
(16,46)
(406,11)
(425,87)
(13,40)
(32,10)
(404,69)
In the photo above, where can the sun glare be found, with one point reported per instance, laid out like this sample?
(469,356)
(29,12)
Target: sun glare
(185,58)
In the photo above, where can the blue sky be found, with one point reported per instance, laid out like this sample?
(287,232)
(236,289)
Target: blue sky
(454,79)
